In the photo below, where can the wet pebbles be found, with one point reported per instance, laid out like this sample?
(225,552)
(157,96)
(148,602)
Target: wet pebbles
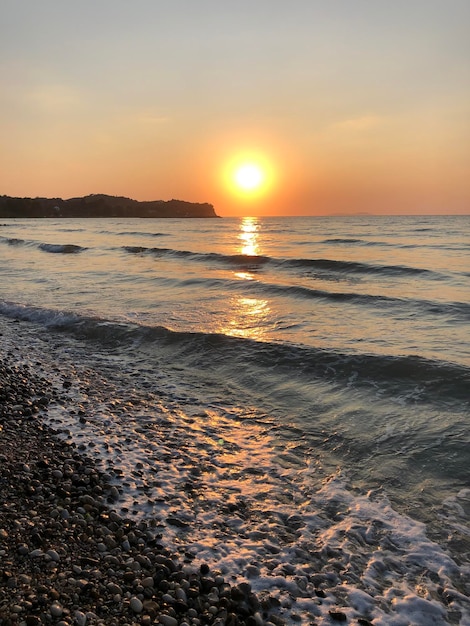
(66,557)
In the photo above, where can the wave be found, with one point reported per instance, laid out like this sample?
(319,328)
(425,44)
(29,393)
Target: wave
(242,260)
(67,248)
(396,246)
(12,241)
(360,242)
(451,310)
(418,378)
(142,234)
(355,267)
(132,233)
(238,260)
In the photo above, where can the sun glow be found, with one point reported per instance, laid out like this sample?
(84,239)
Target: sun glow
(249,176)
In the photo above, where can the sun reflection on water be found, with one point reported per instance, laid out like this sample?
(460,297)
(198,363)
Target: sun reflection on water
(248,236)
(247,317)
(245,275)
(248,243)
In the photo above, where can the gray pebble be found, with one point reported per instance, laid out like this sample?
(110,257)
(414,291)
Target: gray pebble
(53,555)
(80,618)
(56,609)
(35,554)
(137,606)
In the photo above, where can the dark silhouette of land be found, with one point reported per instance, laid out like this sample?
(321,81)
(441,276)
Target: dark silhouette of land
(100,205)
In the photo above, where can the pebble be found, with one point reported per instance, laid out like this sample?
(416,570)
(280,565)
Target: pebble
(114,493)
(56,609)
(25,579)
(180,594)
(53,555)
(80,618)
(35,554)
(338,616)
(136,605)
(167,620)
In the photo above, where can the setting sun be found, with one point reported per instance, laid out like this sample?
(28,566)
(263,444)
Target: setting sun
(249,177)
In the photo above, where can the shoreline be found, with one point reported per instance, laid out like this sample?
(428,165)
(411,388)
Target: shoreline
(109,465)
(66,556)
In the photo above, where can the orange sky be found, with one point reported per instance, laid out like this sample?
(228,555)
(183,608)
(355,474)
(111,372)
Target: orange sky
(350,107)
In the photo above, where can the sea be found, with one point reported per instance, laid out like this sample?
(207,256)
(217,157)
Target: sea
(285,398)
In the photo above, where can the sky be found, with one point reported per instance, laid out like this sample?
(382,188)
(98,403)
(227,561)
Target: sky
(345,106)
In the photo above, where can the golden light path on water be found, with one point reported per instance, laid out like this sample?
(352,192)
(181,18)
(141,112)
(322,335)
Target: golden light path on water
(249,317)
(248,236)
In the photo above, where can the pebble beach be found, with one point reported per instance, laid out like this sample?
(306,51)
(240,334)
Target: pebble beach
(70,555)
(66,557)
(86,538)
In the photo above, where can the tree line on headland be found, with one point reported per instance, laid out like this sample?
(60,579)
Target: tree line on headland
(100,205)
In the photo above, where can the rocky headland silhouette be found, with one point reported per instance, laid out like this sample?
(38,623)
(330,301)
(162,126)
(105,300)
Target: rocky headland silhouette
(101,205)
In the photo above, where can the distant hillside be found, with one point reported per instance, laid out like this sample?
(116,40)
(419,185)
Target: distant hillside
(99,205)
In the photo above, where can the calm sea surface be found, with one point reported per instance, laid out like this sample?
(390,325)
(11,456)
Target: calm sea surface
(333,351)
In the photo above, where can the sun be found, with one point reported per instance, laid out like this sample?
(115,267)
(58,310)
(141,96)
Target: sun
(249,176)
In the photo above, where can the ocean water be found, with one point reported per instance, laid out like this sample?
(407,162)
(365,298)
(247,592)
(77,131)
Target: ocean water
(293,391)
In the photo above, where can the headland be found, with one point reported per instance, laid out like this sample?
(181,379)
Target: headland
(101,205)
